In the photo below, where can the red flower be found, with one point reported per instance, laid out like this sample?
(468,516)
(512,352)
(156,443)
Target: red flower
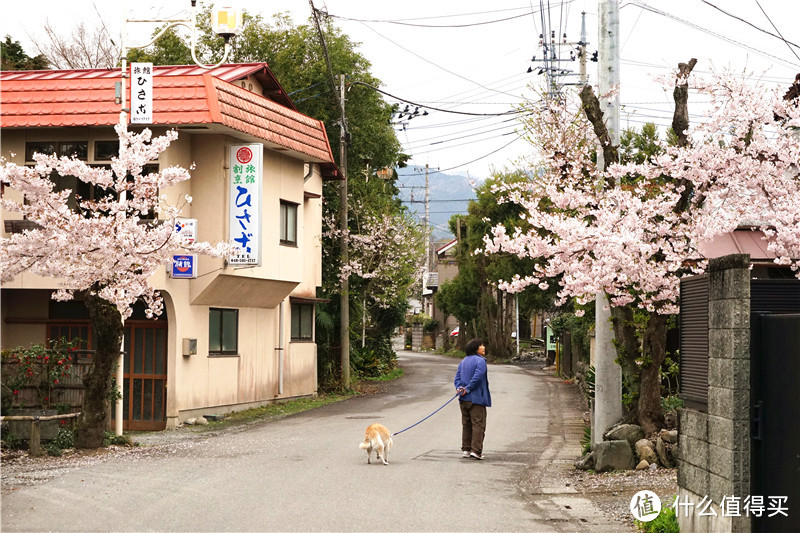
(56,381)
(16,391)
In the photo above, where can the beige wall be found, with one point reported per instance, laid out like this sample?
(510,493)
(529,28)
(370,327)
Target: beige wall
(198,383)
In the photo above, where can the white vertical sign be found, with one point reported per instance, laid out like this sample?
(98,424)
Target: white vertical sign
(245,204)
(141,93)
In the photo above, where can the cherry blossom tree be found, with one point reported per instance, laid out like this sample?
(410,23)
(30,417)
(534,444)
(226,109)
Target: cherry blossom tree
(104,251)
(385,254)
(634,230)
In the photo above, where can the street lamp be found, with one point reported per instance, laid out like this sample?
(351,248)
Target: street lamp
(226,22)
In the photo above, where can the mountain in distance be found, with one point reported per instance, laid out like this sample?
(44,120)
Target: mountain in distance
(449,195)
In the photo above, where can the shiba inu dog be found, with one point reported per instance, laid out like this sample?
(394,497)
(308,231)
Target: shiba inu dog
(377,438)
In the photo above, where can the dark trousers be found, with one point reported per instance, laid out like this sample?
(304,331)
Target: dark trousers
(473,427)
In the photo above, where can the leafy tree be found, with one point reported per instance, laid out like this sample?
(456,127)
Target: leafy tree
(13,57)
(634,230)
(171,50)
(101,250)
(473,296)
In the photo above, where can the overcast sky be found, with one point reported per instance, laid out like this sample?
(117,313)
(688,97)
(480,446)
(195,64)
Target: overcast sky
(472,56)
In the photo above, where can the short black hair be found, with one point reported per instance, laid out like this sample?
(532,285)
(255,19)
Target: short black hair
(472,346)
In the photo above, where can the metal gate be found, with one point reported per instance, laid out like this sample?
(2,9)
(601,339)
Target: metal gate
(775,431)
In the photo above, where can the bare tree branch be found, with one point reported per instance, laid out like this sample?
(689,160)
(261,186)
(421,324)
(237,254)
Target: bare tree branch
(591,106)
(85,47)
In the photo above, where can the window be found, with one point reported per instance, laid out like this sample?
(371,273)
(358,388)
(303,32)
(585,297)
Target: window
(80,189)
(288,223)
(105,150)
(223,331)
(79,149)
(302,322)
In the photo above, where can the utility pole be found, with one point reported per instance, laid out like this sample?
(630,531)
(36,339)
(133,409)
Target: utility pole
(344,295)
(427,221)
(583,43)
(608,374)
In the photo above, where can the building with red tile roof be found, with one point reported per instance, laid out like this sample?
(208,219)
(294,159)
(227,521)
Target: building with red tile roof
(174,369)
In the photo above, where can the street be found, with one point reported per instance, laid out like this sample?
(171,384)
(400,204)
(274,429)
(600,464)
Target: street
(307,473)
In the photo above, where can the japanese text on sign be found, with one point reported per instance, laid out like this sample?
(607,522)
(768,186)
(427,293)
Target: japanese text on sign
(245,204)
(141,93)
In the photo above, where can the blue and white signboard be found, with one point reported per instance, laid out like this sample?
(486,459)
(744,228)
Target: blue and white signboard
(184,266)
(186,230)
(245,204)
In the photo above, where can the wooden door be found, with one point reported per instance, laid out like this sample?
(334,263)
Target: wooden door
(145,386)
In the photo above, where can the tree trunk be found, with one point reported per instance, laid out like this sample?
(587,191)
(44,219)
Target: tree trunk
(628,351)
(107,329)
(642,380)
(654,350)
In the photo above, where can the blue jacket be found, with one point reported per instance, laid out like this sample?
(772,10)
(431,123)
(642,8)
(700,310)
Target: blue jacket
(471,375)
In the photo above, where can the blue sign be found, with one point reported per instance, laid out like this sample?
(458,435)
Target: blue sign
(184,266)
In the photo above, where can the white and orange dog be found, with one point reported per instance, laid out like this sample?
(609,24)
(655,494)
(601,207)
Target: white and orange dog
(377,438)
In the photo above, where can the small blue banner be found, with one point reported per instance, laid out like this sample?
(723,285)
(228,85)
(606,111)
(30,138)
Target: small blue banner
(184,266)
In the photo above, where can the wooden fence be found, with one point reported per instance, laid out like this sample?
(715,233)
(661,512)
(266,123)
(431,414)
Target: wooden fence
(67,392)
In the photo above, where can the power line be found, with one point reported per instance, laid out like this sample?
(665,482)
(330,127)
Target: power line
(468,142)
(431,62)
(432,25)
(512,112)
(403,22)
(788,44)
(472,161)
(442,141)
(705,30)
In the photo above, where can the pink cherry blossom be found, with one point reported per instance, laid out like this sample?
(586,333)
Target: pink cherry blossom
(631,239)
(109,244)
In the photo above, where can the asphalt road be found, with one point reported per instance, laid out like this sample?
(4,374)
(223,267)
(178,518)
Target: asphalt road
(306,472)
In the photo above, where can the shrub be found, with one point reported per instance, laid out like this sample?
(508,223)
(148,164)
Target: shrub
(586,440)
(64,440)
(665,522)
(11,441)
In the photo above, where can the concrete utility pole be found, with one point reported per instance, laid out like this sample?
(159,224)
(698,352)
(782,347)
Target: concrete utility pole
(608,374)
(427,221)
(583,44)
(344,295)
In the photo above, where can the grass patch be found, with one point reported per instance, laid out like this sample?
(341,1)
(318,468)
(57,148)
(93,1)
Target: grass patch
(455,354)
(280,410)
(392,375)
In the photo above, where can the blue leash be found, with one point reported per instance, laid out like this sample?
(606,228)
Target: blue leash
(427,417)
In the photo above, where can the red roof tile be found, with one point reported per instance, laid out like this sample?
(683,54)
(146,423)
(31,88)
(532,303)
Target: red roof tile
(181,95)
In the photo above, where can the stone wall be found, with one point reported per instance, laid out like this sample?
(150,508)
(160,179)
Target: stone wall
(416,337)
(714,458)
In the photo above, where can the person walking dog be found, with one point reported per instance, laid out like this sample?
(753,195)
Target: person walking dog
(472,385)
